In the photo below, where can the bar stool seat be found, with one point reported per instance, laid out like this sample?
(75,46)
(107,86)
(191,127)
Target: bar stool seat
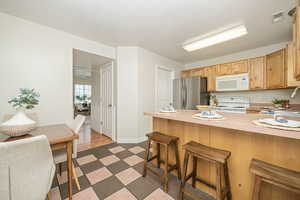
(208,153)
(166,141)
(216,156)
(275,175)
(162,138)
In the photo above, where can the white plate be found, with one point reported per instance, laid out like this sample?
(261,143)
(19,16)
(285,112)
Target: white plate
(214,116)
(167,111)
(272,121)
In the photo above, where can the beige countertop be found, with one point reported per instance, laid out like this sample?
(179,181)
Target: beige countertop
(235,121)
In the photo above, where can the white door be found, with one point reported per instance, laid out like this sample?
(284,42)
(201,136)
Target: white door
(107,107)
(164,87)
(95,100)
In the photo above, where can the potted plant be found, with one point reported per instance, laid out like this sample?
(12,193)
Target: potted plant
(20,124)
(277,103)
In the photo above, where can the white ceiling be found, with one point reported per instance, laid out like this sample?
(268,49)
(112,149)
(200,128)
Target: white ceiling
(160,26)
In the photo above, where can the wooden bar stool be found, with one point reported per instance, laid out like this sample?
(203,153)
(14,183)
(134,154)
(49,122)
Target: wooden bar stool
(216,156)
(166,141)
(275,175)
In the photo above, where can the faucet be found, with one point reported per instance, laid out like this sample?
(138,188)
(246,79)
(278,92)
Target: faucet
(295,92)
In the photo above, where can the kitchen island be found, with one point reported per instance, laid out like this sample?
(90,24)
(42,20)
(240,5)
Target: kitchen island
(245,140)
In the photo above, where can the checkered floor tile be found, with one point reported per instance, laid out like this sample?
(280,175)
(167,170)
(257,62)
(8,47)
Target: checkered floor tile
(114,172)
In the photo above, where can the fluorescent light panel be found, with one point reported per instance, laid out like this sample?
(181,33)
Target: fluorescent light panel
(229,34)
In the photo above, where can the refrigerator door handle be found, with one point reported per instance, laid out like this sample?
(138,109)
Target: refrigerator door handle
(185,94)
(182,93)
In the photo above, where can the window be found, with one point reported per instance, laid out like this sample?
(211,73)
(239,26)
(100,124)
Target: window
(82,93)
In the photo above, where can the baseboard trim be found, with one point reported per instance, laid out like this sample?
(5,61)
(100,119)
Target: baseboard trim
(135,140)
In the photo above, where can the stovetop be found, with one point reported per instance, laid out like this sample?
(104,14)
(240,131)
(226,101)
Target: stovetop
(232,104)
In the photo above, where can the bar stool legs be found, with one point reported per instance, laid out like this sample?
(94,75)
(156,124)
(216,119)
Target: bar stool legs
(256,189)
(227,180)
(184,178)
(158,155)
(166,186)
(215,156)
(146,157)
(167,141)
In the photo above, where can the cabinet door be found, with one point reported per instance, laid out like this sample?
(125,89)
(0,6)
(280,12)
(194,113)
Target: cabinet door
(297,43)
(224,69)
(210,73)
(198,72)
(257,68)
(239,67)
(291,64)
(185,74)
(276,70)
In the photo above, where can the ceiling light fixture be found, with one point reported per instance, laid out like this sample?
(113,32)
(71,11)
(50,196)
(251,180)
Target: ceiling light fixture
(216,38)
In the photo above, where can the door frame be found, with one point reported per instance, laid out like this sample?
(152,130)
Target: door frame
(157,68)
(113,108)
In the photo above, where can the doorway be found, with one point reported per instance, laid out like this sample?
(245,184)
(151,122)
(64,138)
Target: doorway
(163,87)
(92,94)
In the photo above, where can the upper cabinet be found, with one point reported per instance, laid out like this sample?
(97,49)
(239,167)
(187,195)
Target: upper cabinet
(290,59)
(257,73)
(238,67)
(296,40)
(210,73)
(276,70)
(224,69)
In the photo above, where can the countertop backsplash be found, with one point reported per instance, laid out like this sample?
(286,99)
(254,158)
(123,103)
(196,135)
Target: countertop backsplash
(264,96)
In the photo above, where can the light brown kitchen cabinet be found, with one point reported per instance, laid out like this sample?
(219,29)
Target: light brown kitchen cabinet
(237,67)
(297,43)
(197,72)
(185,74)
(276,70)
(257,73)
(290,59)
(210,73)
(224,69)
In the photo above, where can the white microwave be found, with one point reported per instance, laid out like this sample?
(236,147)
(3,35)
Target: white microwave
(232,82)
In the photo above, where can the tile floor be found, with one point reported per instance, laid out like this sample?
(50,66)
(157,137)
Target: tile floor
(114,172)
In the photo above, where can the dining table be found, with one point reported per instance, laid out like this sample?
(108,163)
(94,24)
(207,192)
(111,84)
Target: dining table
(60,136)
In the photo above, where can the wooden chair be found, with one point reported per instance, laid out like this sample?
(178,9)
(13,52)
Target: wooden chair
(212,155)
(166,141)
(274,175)
(60,156)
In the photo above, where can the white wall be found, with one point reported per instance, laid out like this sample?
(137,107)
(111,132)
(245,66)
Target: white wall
(127,97)
(237,56)
(148,62)
(36,56)
(136,91)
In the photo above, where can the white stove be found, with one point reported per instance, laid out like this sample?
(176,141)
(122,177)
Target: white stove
(232,104)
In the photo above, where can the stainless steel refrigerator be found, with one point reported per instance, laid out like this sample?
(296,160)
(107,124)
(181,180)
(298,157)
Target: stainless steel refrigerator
(190,92)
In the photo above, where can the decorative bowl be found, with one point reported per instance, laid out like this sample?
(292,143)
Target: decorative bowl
(18,125)
(18,130)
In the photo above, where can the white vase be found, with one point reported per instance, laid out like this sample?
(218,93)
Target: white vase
(18,125)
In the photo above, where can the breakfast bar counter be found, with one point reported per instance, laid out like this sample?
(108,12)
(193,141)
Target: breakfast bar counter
(245,140)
